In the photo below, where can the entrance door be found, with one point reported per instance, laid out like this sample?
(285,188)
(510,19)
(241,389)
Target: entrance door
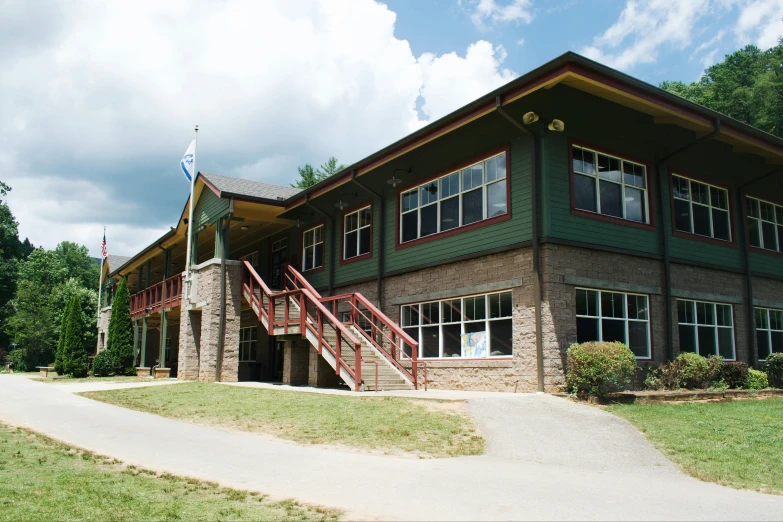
(279,257)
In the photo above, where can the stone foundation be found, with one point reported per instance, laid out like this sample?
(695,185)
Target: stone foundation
(296,362)
(320,374)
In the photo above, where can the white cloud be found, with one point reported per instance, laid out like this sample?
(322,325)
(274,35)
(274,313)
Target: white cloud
(521,42)
(484,13)
(760,22)
(96,110)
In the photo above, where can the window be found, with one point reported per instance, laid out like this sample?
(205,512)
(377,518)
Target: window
(765,224)
(706,328)
(701,209)
(457,199)
(609,185)
(474,327)
(357,233)
(313,248)
(769,331)
(248,338)
(612,316)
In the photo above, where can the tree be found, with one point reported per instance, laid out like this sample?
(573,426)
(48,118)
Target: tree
(309,176)
(60,355)
(74,358)
(119,343)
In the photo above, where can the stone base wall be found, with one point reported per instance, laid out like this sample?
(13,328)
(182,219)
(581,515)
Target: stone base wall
(320,374)
(296,362)
(189,345)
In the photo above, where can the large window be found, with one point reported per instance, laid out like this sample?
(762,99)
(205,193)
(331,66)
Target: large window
(473,327)
(612,316)
(357,233)
(701,209)
(706,328)
(765,224)
(769,331)
(248,338)
(609,185)
(467,196)
(313,248)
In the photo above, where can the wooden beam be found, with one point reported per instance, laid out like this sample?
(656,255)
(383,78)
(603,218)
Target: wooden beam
(143,362)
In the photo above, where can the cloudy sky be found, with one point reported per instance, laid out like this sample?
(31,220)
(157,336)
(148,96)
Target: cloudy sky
(98,99)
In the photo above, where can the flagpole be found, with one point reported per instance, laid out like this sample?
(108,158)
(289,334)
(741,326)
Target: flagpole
(190,217)
(100,284)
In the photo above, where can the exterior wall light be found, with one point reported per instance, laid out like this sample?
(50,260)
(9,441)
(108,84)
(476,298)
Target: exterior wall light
(244,227)
(556,125)
(342,204)
(394,181)
(529,117)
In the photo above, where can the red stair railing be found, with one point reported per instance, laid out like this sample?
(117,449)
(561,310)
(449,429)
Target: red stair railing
(163,295)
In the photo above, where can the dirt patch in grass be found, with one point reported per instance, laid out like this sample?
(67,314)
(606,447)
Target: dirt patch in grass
(41,479)
(387,425)
(119,378)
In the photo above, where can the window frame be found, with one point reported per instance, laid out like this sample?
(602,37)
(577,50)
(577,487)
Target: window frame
(323,248)
(775,206)
(455,169)
(462,322)
(649,190)
(625,319)
(244,343)
(732,242)
(696,324)
(343,216)
(768,329)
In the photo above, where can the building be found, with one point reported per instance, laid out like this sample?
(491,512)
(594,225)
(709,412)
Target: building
(574,203)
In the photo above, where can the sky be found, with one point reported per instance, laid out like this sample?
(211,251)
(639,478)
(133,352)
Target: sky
(98,99)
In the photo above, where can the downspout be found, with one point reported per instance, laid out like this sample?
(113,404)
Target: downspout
(381,227)
(749,309)
(667,265)
(226,222)
(535,168)
(331,240)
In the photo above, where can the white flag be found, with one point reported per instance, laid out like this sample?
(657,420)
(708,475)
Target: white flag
(187,161)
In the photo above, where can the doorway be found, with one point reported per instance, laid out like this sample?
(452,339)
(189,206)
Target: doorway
(279,258)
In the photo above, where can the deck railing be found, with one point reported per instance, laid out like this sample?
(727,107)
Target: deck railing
(164,295)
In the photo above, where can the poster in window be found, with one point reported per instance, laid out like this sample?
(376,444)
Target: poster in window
(474,344)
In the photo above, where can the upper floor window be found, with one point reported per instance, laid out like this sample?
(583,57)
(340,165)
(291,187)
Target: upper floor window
(769,331)
(612,316)
(706,328)
(609,185)
(457,199)
(700,208)
(357,235)
(313,248)
(765,224)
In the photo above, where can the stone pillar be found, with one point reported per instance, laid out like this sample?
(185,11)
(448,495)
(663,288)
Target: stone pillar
(320,374)
(189,345)
(296,361)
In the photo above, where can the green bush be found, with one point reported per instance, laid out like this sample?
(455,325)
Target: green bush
(688,370)
(102,364)
(773,366)
(735,375)
(119,342)
(18,358)
(595,367)
(756,380)
(59,354)
(74,358)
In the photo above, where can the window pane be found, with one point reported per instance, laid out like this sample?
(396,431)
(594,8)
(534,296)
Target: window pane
(429,193)
(410,316)
(611,194)
(472,210)
(687,338)
(308,258)
(496,168)
(777,342)
(500,337)
(762,341)
(700,193)
(364,241)
(500,305)
(685,312)
(779,215)
(586,330)
(762,320)
(449,186)
(753,207)
(613,330)
(410,225)
(452,340)
(776,319)
(430,313)
(705,313)
(719,198)
(609,168)
(319,255)
(475,327)
(308,238)
(471,177)
(634,204)
(612,305)
(351,240)
(496,199)
(633,174)
(726,343)
(780,237)
(584,192)
(767,211)
(365,217)
(681,188)
(637,307)
(701,220)
(720,224)
(430,341)
(637,339)
(410,200)
(754,233)
(707,340)
(351,221)
(723,315)
(587,302)
(588,162)
(429,220)
(414,334)
(769,235)
(682,215)
(319,234)
(576,153)
(449,214)
(452,311)
(505,304)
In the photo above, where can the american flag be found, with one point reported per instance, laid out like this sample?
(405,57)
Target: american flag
(104,252)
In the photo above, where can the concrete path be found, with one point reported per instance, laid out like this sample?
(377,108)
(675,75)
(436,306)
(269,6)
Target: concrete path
(548,460)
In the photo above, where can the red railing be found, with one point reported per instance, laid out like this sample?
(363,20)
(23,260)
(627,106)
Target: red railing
(384,334)
(314,318)
(163,295)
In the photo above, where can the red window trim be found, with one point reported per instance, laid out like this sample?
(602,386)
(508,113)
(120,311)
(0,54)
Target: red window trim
(649,176)
(351,210)
(690,235)
(310,227)
(465,228)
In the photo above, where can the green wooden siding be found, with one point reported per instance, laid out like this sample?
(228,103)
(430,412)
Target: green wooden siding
(209,208)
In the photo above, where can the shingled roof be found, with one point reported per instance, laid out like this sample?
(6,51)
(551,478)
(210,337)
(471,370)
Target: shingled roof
(115,262)
(248,189)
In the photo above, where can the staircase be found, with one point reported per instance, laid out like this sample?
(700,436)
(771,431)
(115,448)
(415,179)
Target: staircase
(300,310)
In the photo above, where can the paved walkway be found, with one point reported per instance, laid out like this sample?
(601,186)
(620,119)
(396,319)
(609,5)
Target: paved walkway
(548,459)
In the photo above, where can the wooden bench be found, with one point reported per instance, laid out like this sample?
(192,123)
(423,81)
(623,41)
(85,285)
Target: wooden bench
(44,370)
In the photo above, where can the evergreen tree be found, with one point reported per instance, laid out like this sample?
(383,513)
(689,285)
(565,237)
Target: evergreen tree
(60,356)
(309,176)
(74,358)
(120,339)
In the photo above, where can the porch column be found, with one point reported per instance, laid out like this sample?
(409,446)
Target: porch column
(144,342)
(135,340)
(163,331)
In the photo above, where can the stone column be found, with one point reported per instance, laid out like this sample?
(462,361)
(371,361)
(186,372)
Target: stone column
(209,293)
(296,360)
(189,345)
(320,374)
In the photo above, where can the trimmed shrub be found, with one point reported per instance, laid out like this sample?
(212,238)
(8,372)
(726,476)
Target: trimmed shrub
(595,367)
(59,354)
(102,364)
(734,374)
(119,342)
(756,380)
(688,370)
(18,358)
(74,358)
(773,366)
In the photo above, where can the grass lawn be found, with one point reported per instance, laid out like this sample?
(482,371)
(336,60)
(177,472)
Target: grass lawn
(118,378)
(737,444)
(41,479)
(387,424)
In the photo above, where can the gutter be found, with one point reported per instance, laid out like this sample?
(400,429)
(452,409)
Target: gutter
(331,240)
(536,239)
(381,230)
(667,263)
